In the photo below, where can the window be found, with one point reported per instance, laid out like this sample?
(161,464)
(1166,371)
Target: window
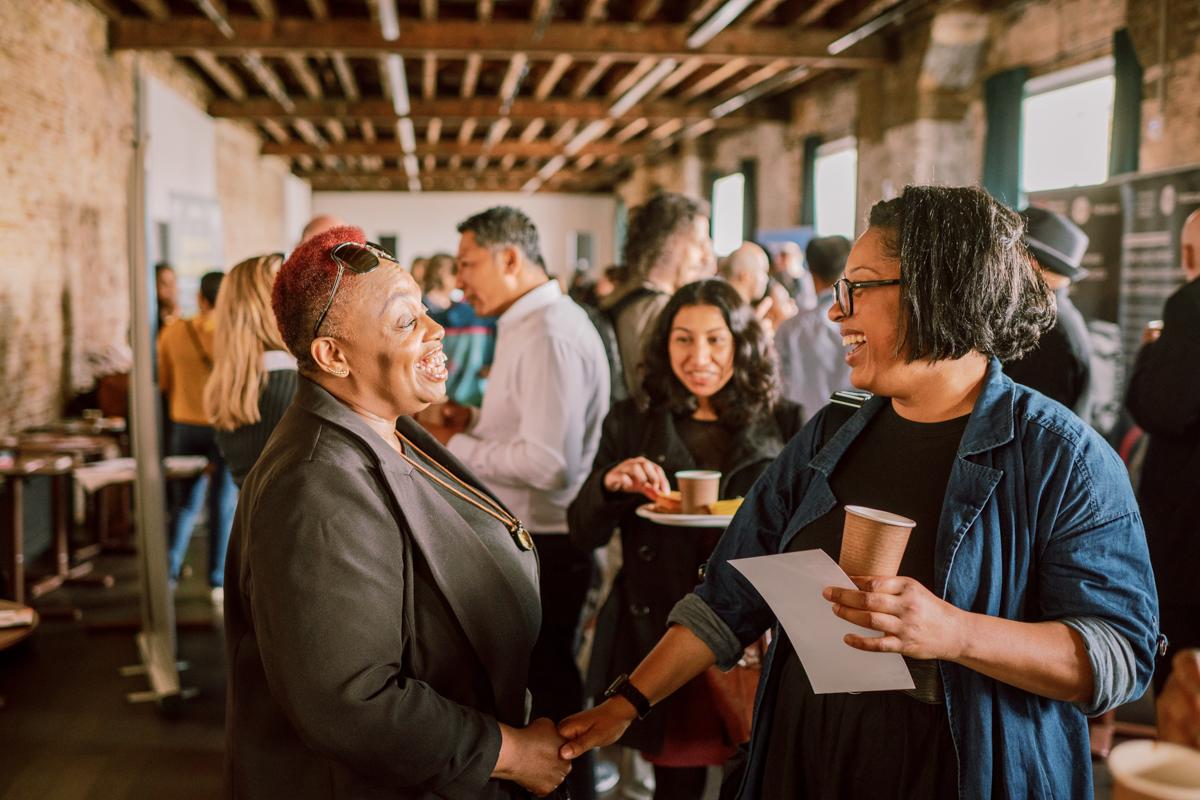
(728,212)
(835,188)
(1066,124)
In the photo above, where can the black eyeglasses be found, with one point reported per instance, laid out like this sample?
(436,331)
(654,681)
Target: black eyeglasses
(843,292)
(358,257)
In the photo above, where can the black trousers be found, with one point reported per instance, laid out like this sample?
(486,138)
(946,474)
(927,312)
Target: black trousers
(554,679)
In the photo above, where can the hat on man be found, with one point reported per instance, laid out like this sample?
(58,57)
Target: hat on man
(1056,242)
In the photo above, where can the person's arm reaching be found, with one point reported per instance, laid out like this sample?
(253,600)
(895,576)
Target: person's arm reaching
(677,658)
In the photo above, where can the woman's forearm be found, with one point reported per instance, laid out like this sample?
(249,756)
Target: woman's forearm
(677,658)
(1045,658)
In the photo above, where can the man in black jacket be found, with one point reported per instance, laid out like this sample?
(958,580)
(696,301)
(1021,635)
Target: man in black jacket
(1164,399)
(1058,366)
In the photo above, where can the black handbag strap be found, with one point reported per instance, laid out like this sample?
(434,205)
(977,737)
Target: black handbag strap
(842,406)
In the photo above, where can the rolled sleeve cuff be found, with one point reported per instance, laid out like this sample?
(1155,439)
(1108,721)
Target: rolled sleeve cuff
(698,617)
(1114,668)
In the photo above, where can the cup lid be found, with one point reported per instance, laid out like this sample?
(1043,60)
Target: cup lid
(698,473)
(882,517)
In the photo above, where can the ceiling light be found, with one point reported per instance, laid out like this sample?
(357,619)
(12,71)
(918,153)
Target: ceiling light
(398,83)
(552,166)
(718,22)
(389,20)
(411,167)
(642,87)
(873,26)
(406,135)
(593,130)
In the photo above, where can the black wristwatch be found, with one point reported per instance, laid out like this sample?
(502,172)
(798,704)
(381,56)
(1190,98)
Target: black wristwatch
(621,686)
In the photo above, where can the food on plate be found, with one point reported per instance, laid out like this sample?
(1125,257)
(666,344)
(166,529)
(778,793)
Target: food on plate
(725,507)
(669,503)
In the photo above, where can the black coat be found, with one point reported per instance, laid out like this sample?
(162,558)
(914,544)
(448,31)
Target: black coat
(374,640)
(1059,366)
(1164,399)
(660,563)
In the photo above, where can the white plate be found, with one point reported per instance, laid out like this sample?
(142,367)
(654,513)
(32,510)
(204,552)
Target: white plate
(684,520)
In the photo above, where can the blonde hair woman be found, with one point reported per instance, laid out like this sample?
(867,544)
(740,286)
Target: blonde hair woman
(253,377)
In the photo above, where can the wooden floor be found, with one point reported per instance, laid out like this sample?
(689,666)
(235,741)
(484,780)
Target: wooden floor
(66,729)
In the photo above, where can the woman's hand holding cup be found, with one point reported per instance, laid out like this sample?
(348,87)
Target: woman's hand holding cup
(637,475)
(914,621)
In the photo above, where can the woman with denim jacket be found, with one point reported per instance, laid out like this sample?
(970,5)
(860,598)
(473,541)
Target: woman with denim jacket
(1025,600)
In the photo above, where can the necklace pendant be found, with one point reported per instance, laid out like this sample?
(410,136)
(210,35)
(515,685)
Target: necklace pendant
(521,536)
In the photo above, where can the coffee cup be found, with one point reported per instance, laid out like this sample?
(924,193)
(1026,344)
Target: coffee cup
(1148,770)
(873,541)
(698,488)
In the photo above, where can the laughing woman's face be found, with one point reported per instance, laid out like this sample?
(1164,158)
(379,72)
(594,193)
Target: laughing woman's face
(393,347)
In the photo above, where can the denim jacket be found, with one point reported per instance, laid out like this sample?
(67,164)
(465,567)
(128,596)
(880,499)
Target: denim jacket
(1039,523)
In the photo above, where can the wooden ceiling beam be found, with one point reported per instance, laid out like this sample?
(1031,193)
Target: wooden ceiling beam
(647,10)
(265,8)
(472,149)
(467,131)
(304,75)
(815,12)
(155,9)
(532,130)
(677,77)
(713,79)
(589,78)
(221,75)
(434,132)
(319,9)
(759,11)
(429,66)
(345,75)
(471,75)
(554,73)
(453,108)
(453,180)
(639,71)
(429,9)
(497,39)
(512,77)
(595,11)
(483,10)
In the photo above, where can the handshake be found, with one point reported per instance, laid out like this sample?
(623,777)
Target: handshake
(538,756)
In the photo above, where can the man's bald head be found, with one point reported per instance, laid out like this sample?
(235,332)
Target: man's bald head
(320,224)
(747,270)
(1189,246)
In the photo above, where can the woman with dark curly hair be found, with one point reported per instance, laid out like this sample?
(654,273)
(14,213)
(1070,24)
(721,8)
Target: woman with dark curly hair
(712,404)
(1024,602)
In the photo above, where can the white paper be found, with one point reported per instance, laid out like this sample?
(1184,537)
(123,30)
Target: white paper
(792,583)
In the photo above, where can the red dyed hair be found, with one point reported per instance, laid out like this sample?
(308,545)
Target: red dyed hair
(303,287)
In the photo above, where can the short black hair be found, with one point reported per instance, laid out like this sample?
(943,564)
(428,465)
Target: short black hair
(826,257)
(652,224)
(162,266)
(210,284)
(751,392)
(968,283)
(501,226)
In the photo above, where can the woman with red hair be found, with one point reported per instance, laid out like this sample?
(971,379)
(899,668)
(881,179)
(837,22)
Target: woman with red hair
(383,603)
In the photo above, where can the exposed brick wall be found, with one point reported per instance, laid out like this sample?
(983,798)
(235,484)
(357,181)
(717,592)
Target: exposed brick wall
(67,111)
(251,191)
(778,172)
(1170,95)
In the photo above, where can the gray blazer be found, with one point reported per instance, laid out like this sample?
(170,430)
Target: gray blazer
(373,637)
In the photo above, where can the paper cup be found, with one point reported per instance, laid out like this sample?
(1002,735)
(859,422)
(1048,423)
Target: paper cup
(1146,770)
(697,489)
(873,541)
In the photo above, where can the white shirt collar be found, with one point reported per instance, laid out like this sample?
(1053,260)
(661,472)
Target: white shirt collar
(531,301)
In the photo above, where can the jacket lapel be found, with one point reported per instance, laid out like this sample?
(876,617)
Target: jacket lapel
(473,582)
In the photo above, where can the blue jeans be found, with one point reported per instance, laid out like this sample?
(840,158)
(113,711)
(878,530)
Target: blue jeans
(218,485)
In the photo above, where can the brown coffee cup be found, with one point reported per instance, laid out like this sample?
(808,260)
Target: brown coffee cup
(697,489)
(873,541)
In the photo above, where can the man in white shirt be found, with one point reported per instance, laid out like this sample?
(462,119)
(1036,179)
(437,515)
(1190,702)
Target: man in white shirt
(533,440)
